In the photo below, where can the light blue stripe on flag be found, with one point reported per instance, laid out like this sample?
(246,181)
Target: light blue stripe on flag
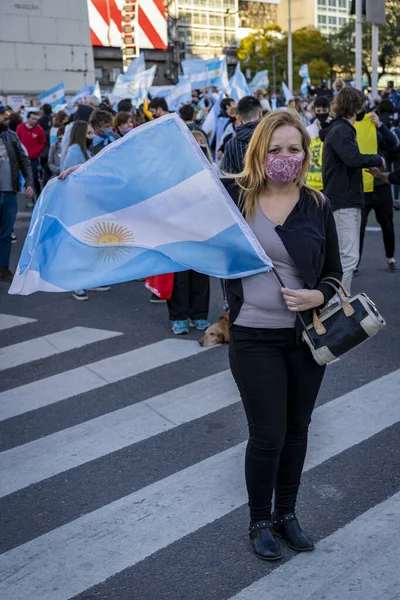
(136,210)
(53,96)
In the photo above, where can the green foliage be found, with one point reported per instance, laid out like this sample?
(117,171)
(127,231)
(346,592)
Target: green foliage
(326,57)
(257,50)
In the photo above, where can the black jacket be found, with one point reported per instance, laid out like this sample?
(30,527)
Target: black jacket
(310,238)
(236,148)
(394,177)
(18,159)
(342,163)
(387,143)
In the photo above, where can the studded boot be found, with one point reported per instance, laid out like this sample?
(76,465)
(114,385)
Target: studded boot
(264,543)
(288,528)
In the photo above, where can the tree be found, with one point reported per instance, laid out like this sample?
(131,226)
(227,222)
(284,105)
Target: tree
(258,49)
(343,44)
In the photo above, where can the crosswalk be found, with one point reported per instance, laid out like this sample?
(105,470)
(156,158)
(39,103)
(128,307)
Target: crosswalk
(184,518)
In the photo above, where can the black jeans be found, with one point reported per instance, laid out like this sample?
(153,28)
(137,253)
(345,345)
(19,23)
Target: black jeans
(278,381)
(190,297)
(380,200)
(35,163)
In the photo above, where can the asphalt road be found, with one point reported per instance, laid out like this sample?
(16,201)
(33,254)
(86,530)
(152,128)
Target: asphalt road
(122,450)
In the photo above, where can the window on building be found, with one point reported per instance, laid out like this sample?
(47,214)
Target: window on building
(321,20)
(115,71)
(98,73)
(342,21)
(332,3)
(343,4)
(332,20)
(321,2)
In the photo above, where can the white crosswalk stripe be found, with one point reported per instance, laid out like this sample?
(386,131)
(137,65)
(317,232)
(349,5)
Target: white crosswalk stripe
(344,565)
(121,533)
(48,345)
(9,321)
(38,394)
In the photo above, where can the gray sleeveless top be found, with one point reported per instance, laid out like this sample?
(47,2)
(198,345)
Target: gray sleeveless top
(263,303)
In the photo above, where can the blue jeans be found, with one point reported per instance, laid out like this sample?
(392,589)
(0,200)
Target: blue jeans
(8,214)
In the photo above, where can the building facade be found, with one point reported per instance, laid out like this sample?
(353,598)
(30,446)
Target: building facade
(206,27)
(326,15)
(44,43)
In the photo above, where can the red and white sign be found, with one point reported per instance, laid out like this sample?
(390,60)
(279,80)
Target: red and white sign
(105,22)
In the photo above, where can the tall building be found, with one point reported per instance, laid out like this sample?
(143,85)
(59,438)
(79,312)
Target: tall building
(206,27)
(326,15)
(256,15)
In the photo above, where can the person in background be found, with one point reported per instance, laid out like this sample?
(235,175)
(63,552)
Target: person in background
(264,102)
(250,113)
(13,161)
(55,153)
(186,113)
(380,199)
(33,138)
(201,139)
(125,105)
(158,107)
(60,120)
(296,105)
(342,165)
(226,121)
(79,146)
(15,120)
(82,113)
(103,133)
(189,303)
(123,123)
(338,85)
(79,152)
(45,121)
(321,109)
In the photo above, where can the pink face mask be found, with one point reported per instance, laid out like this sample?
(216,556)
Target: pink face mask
(125,131)
(284,168)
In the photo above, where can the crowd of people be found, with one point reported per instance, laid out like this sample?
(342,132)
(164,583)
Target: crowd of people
(305,177)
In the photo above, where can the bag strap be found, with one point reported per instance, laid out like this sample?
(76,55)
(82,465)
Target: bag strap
(339,283)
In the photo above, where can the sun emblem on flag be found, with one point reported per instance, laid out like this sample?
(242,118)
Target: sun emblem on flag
(108,236)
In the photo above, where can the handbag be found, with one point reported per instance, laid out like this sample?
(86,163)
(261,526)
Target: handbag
(341,326)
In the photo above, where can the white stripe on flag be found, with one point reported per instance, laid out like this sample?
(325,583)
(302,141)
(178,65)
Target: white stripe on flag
(93,376)
(48,345)
(132,528)
(197,195)
(8,321)
(72,447)
(343,565)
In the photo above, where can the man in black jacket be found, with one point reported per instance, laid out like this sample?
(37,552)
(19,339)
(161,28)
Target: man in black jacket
(342,165)
(12,160)
(250,113)
(380,199)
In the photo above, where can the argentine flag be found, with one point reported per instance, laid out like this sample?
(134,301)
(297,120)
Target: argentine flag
(180,94)
(54,96)
(147,204)
(238,85)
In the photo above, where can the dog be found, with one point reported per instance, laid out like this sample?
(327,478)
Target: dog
(218,333)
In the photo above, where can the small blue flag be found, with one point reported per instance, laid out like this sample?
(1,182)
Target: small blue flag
(54,96)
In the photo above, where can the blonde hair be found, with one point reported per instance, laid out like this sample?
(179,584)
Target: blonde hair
(253,178)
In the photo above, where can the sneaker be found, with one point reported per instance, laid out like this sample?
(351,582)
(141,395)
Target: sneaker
(393,267)
(6,275)
(180,327)
(80,295)
(13,238)
(101,288)
(156,300)
(200,324)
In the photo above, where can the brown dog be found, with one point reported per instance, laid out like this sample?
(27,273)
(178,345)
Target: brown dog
(218,333)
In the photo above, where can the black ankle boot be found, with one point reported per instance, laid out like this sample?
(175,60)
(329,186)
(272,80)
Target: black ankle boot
(288,528)
(265,545)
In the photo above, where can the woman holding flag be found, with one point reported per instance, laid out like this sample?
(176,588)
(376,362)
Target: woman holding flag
(276,375)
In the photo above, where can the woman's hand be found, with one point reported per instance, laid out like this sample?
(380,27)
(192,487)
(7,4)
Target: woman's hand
(64,174)
(299,300)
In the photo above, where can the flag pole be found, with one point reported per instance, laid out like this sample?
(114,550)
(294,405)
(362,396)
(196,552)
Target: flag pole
(290,49)
(359,44)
